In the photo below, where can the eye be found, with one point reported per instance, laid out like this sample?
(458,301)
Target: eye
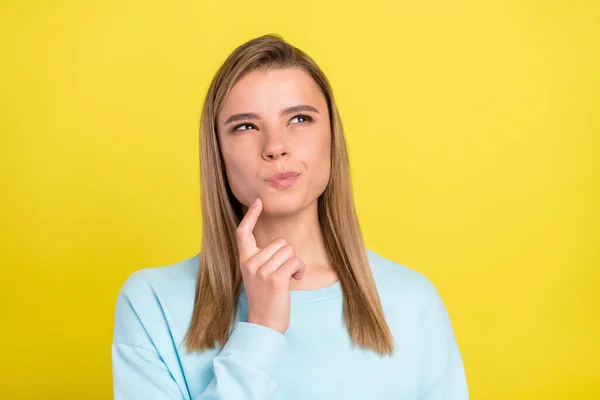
(301,118)
(246,126)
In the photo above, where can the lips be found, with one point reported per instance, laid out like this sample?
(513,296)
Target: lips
(283,180)
(283,175)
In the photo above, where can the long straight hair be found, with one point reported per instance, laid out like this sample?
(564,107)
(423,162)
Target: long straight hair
(219,277)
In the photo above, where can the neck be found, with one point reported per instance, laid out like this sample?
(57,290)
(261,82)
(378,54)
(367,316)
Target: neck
(301,230)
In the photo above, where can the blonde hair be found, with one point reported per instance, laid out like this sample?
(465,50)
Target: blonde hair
(219,276)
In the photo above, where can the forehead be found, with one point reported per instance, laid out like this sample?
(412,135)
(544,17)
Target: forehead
(266,90)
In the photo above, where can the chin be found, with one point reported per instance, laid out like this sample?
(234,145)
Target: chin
(282,205)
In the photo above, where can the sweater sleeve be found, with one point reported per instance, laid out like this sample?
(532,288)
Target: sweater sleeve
(243,370)
(145,365)
(245,367)
(139,373)
(443,375)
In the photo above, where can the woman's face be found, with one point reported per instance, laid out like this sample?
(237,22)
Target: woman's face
(274,122)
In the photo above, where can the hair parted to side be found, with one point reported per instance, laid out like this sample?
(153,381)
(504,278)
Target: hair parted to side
(219,276)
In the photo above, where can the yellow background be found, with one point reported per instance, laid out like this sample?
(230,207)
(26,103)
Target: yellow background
(473,134)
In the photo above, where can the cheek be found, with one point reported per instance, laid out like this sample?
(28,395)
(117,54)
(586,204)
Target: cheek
(318,154)
(238,169)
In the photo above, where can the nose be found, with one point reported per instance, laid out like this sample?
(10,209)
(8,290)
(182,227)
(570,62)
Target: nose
(275,147)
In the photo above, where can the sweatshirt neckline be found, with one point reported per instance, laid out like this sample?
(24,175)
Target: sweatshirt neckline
(310,296)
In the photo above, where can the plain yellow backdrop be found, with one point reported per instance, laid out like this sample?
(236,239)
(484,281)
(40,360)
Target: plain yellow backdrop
(472,129)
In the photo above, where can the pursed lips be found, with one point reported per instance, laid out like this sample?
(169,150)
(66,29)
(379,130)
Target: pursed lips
(283,180)
(283,175)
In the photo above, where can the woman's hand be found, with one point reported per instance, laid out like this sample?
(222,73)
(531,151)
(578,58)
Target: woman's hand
(267,274)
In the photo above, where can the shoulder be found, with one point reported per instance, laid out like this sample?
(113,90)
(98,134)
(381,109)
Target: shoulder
(177,276)
(398,284)
(414,309)
(154,297)
(392,276)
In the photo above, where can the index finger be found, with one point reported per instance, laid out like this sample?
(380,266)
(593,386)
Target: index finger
(245,237)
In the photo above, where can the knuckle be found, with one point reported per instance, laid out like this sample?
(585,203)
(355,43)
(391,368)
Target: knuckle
(281,241)
(263,274)
(296,265)
(289,250)
(251,265)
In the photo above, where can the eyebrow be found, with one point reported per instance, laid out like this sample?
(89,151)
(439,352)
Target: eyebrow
(285,111)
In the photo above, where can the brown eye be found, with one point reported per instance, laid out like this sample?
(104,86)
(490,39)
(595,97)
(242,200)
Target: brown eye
(243,127)
(300,118)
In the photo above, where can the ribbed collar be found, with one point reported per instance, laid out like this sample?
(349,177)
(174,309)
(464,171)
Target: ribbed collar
(311,296)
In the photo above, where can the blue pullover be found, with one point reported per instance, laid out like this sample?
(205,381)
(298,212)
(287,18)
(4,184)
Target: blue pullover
(314,359)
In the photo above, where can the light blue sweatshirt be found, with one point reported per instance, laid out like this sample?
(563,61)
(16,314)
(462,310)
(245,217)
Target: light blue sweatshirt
(313,360)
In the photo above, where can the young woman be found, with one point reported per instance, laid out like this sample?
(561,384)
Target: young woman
(283,301)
